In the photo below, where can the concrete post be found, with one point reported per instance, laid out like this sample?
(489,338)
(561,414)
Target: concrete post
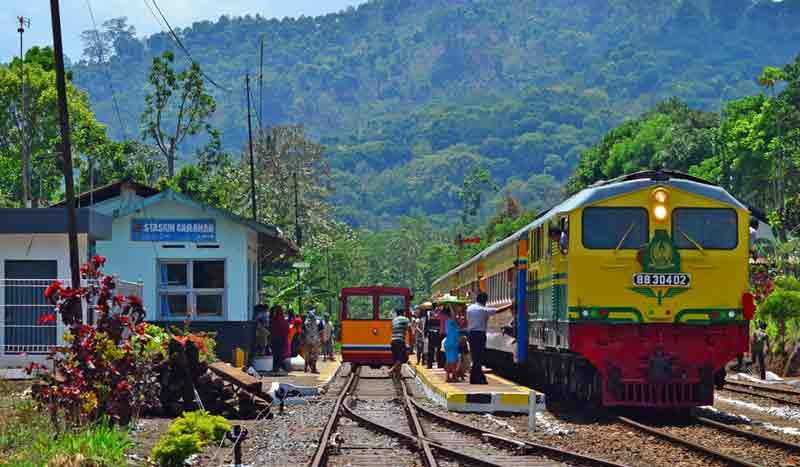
(532,411)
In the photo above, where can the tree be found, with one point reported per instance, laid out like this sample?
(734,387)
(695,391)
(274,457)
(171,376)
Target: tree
(122,38)
(281,153)
(177,107)
(41,123)
(96,48)
(125,160)
(475,185)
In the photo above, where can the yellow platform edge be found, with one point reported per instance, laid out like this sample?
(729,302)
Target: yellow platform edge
(516,399)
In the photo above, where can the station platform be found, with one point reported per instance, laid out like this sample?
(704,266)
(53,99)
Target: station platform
(306,384)
(295,383)
(500,395)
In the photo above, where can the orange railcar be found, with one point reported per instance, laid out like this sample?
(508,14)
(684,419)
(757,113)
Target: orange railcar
(367,314)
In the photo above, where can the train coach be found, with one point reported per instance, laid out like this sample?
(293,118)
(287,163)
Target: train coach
(367,314)
(633,292)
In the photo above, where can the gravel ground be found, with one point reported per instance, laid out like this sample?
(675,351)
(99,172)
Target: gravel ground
(587,433)
(733,445)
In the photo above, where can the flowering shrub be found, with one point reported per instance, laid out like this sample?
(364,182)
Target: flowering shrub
(113,367)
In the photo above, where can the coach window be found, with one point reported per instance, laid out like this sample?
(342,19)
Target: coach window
(710,228)
(389,303)
(608,228)
(359,307)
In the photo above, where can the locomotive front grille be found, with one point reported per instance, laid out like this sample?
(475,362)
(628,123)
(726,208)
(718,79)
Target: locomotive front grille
(660,394)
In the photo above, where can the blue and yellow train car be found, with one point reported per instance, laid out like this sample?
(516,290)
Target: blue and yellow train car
(632,292)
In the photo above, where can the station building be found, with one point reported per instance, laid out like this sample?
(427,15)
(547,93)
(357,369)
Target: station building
(194,262)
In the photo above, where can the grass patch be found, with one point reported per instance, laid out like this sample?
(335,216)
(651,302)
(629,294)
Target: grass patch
(26,439)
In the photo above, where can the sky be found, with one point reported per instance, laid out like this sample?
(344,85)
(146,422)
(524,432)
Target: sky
(180,13)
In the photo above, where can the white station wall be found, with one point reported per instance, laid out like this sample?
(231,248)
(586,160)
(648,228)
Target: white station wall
(137,260)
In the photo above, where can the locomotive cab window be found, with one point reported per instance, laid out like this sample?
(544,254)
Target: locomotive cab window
(608,228)
(710,228)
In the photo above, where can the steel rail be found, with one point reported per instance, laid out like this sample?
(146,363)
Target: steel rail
(430,459)
(762,387)
(522,445)
(749,434)
(781,399)
(320,456)
(686,443)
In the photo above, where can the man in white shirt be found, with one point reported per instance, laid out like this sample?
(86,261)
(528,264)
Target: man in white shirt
(478,315)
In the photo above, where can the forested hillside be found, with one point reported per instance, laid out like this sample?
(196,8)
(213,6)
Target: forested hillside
(411,96)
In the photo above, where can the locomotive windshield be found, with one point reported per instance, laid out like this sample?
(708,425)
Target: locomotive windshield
(608,228)
(711,228)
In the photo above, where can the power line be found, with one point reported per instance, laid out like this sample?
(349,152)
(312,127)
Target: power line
(115,104)
(184,49)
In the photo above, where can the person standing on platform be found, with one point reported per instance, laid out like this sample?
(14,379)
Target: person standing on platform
(400,327)
(419,334)
(758,346)
(327,340)
(311,341)
(450,346)
(478,315)
(279,334)
(434,336)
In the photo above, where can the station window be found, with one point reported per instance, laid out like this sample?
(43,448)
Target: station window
(605,228)
(711,228)
(193,289)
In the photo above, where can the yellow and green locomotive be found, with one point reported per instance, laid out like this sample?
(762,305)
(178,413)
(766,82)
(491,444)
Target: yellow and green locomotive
(633,292)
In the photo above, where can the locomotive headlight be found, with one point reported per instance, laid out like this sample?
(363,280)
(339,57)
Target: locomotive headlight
(660,196)
(660,212)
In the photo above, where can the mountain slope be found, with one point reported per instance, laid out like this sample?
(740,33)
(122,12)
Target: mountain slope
(409,95)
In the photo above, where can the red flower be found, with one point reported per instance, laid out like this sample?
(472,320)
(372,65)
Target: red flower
(99,260)
(124,320)
(47,318)
(134,300)
(52,289)
(140,329)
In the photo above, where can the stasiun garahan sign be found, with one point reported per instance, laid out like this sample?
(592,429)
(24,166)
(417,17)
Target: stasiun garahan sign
(173,230)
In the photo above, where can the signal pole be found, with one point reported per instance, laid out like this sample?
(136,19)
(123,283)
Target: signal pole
(24,155)
(66,147)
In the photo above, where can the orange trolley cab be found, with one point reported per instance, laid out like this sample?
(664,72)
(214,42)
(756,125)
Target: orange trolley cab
(367,314)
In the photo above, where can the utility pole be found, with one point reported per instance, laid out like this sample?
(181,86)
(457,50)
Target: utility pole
(25,155)
(250,145)
(66,149)
(298,234)
(261,86)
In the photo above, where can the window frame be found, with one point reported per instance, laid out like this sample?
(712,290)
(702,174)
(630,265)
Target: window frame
(190,291)
(673,228)
(634,208)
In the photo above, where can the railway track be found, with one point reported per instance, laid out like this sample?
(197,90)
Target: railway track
(375,421)
(747,449)
(784,396)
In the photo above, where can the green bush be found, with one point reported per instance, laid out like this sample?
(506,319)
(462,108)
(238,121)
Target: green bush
(187,435)
(788,283)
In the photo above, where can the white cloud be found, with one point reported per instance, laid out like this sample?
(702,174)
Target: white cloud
(180,13)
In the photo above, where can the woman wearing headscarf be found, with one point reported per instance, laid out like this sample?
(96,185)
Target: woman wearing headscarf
(451,345)
(279,333)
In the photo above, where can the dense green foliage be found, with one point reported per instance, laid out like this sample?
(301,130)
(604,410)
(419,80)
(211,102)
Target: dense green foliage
(751,148)
(409,96)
